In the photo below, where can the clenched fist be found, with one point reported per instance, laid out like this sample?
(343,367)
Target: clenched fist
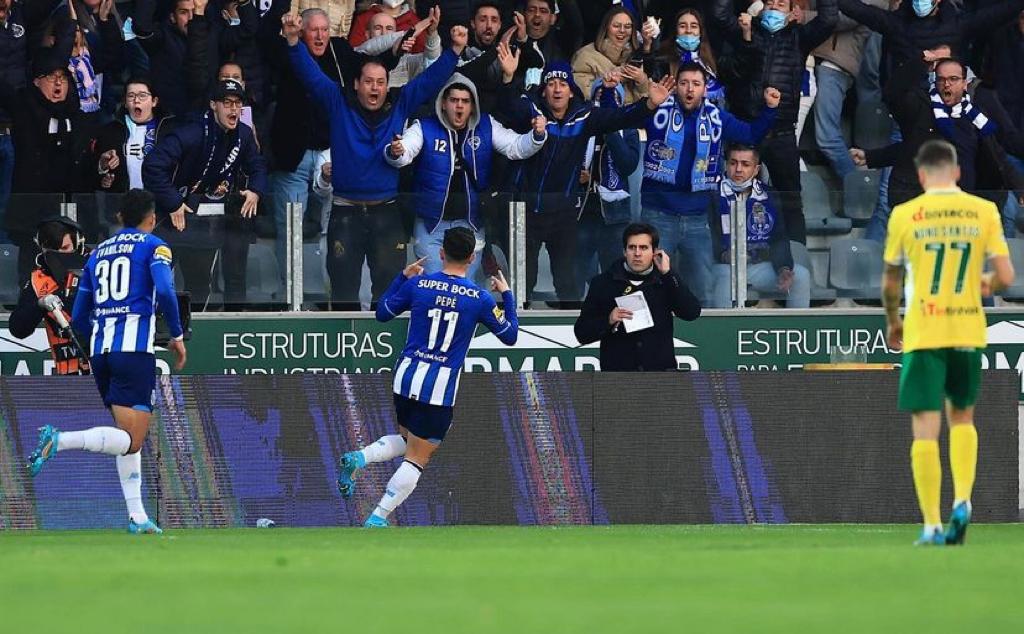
(772,97)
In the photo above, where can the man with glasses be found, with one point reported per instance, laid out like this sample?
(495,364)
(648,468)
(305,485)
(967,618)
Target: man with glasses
(945,111)
(208,177)
(48,139)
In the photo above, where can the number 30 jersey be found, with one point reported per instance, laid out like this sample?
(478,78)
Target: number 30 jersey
(943,238)
(445,310)
(123,281)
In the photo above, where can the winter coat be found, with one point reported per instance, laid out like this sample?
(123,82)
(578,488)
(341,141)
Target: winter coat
(550,180)
(17,41)
(906,35)
(846,45)
(780,62)
(594,60)
(647,350)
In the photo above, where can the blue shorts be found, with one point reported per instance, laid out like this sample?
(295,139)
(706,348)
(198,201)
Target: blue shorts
(423,420)
(125,378)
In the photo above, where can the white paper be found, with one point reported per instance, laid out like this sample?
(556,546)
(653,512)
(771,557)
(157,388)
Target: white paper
(210,209)
(637,303)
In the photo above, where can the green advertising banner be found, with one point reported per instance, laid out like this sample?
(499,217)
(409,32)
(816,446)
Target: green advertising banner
(720,340)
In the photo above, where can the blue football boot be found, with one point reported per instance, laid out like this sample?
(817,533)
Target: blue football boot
(46,449)
(350,463)
(376,521)
(931,538)
(146,528)
(956,531)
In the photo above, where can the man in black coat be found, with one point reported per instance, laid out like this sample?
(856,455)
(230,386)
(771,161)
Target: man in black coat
(780,50)
(644,269)
(914,27)
(48,143)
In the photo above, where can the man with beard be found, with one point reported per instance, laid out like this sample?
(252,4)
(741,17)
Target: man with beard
(548,42)
(366,221)
(550,180)
(199,172)
(165,41)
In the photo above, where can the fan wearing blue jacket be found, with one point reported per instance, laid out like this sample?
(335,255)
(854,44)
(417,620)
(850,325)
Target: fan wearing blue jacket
(453,151)
(366,220)
(550,180)
(682,164)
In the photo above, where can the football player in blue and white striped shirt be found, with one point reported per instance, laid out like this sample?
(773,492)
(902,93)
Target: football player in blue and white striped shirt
(445,308)
(125,279)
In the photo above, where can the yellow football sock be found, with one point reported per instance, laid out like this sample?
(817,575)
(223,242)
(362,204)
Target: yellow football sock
(924,459)
(963,459)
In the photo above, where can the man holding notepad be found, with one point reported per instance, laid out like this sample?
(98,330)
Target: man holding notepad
(630,306)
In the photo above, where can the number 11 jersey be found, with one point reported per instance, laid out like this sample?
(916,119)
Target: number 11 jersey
(445,310)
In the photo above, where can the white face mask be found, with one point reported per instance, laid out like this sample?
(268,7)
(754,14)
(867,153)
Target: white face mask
(739,187)
(394,4)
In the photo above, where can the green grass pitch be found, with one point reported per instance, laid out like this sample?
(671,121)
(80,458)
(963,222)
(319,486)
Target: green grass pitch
(624,579)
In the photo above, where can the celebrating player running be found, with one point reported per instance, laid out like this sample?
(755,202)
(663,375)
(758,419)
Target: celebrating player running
(445,309)
(123,276)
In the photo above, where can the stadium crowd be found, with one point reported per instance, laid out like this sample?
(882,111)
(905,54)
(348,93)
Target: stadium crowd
(393,121)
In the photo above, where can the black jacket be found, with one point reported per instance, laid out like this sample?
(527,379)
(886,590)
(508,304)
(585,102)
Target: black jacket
(191,157)
(17,41)
(911,107)
(780,62)
(1003,70)
(644,350)
(550,179)
(906,35)
(166,47)
(112,136)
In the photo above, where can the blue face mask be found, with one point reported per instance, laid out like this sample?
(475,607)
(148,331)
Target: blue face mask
(688,42)
(773,20)
(923,7)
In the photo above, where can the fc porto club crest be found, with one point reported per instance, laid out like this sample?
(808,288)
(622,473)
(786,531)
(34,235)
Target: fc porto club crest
(474,142)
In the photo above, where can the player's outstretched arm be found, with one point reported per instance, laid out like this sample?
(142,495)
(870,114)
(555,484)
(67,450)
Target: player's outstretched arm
(504,323)
(398,298)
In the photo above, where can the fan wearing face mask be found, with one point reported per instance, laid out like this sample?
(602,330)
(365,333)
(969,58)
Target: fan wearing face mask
(770,266)
(916,26)
(689,42)
(781,46)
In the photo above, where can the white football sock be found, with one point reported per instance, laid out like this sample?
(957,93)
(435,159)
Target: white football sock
(386,448)
(399,487)
(129,470)
(109,440)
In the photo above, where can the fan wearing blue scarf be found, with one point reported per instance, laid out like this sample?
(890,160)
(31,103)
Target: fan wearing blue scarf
(770,266)
(682,164)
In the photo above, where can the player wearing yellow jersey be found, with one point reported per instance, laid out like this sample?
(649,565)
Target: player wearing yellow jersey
(939,241)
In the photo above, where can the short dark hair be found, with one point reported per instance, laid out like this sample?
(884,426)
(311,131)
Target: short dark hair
(456,86)
(484,4)
(459,244)
(935,154)
(141,79)
(50,235)
(638,228)
(136,207)
(692,67)
(739,147)
(952,60)
(371,61)
(550,3)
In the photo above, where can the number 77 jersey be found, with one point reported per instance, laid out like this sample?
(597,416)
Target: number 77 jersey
(943,238)
(444,312)
(119,289)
